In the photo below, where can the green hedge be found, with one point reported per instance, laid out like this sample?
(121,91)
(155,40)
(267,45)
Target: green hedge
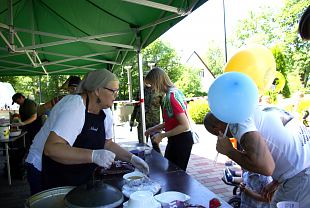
(198,109)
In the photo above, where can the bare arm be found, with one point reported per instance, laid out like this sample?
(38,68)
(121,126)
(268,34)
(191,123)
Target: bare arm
(156,128)
(182,127)
(59,150)
(256,156)
(30,120)
(120,152)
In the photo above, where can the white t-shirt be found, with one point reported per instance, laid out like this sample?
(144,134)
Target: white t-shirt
(66,120)
(289,144)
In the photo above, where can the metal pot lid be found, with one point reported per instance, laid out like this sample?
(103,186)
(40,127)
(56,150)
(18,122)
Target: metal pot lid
(96,194)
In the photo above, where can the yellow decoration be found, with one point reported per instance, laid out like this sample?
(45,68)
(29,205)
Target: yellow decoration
(257,62)
(279,82)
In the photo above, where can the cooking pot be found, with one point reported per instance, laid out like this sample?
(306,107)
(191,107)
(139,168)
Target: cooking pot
(94,194)
(50,198)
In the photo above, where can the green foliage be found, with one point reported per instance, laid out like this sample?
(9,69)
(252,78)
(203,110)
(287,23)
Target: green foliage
(259,27)
(29,85)
(165,57)
(272,95)
(296,49)
(278,27)
(294,82)
(214,58)
(281,67)
(189,82)
(158,53)
(198,109)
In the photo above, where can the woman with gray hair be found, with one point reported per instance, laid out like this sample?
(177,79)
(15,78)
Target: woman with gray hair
(76,138)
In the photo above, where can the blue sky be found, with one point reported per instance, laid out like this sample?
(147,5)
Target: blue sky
(206,24)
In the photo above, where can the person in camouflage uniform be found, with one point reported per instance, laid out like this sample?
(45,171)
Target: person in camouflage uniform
(152,113)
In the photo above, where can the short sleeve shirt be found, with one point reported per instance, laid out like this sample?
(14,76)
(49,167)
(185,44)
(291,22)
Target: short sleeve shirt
(66,120)
(289,144)
(27,109)
(171,123)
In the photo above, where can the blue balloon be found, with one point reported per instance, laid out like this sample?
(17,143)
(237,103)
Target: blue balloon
(232,97)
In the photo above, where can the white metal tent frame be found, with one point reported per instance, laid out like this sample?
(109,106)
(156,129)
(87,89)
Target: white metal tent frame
(16,47)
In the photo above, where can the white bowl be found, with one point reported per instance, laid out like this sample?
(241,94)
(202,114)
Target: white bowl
(133,176)
(290,204)
(170,196)
(15,133)
(142,199)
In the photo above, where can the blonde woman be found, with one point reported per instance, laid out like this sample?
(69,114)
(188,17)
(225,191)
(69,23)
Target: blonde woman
(176,124)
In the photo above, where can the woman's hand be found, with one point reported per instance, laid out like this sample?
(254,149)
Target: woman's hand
(157,138)
(148,132)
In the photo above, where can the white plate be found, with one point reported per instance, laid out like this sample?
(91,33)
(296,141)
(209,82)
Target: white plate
(15,133)
(156,205)
(170,196)
(144,184)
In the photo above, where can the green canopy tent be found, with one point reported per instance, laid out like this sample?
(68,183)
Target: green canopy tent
(41,37)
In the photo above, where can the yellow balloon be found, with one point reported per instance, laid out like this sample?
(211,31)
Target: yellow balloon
(257,62)
(279,82)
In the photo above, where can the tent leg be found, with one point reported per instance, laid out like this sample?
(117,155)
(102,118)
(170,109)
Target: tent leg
(141,84)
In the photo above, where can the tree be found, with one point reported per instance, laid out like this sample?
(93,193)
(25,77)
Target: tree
(165,57)
(271,28)
(281,67)
(214,58)
(297,50)
(259,27)
(159,53)
(190,82)
(29,85)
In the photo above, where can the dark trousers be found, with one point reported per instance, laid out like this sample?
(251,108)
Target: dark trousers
(17,154)
(179,149)
(34,178)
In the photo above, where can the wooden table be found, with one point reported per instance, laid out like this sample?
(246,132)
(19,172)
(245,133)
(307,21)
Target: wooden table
(171,178)
(6,148)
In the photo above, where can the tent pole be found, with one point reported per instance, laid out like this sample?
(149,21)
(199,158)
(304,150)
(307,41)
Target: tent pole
(225,41)
(141,84)
(33,35)
(155,5)
(128,68)
(40,89)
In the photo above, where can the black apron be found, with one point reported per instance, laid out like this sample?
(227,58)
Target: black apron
(56,174)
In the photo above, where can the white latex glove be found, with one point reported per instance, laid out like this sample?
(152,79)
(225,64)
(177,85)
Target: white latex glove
(140,164)
(103,158)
